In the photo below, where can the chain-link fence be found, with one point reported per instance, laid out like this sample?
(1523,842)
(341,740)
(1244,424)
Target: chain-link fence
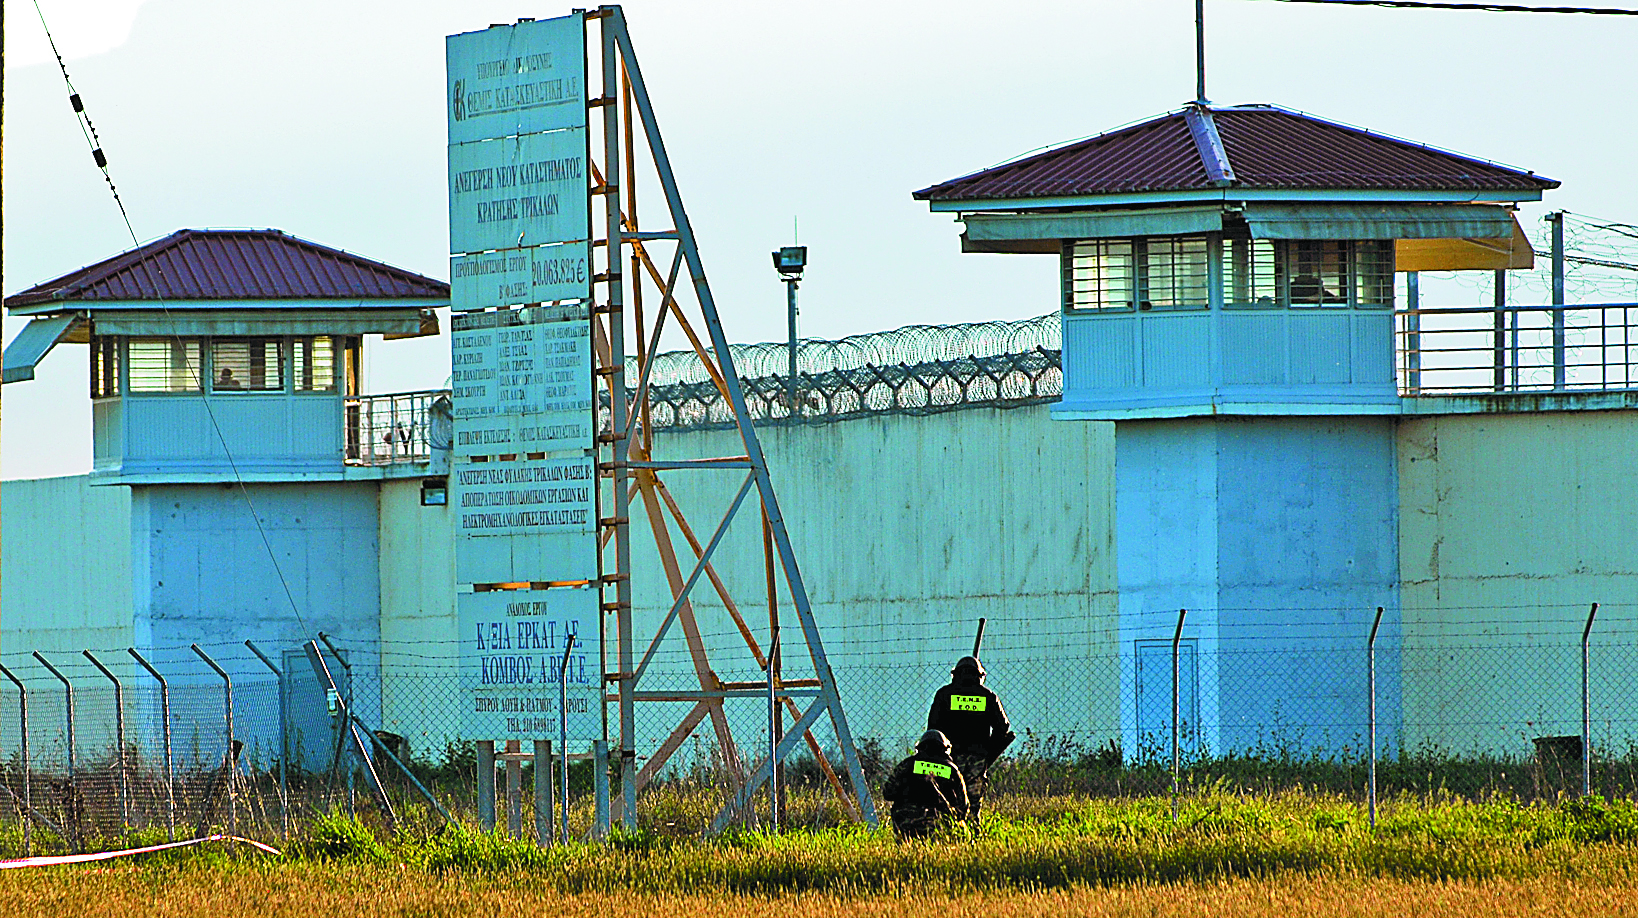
(1529,704)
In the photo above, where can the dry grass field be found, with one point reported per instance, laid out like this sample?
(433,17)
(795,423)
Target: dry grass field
(1227,855)
(306,892)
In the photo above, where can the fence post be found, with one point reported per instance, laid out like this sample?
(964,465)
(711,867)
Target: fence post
(350,726)
(284,743)
(514,787)
(486,785)
(119,740)
(1413,332)
(1177,639)
(1560,375)
(28,796)
(543,792)
(1586,707)
(347,669)
(1499,344)
(230,762)
(563,733)
(773,733)
(600,787)
(165,727)
(73,821)
(1370,654)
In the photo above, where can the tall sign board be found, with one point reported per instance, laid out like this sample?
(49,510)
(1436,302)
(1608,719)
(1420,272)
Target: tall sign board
(524,474)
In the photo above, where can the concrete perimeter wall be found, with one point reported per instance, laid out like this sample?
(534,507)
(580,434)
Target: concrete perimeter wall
(1511,526)
(908,530)
(66,583)
(420,694)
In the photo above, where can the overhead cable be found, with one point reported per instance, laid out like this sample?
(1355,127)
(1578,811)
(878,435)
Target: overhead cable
(97,156)
(1481,7)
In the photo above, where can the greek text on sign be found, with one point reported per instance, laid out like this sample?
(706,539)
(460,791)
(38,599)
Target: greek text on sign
(520,436)
(969,703)
(521,380)
(511,657)
(931,768)
(513,498)
(511,277)
(518,191)
(516,79)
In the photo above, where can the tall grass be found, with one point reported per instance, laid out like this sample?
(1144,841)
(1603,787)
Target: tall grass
(1085,842)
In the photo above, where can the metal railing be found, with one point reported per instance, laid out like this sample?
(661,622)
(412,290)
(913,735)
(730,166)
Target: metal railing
(397,427)
(1472,350)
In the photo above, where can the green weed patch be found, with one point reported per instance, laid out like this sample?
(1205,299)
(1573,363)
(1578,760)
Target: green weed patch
(1085,843)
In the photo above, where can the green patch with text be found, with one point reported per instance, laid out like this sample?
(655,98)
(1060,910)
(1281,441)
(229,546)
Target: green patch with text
(932,768)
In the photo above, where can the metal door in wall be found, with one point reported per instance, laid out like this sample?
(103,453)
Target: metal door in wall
(1153,697)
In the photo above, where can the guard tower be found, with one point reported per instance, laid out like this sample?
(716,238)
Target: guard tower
(227,355)
(238,470)
(1228,301)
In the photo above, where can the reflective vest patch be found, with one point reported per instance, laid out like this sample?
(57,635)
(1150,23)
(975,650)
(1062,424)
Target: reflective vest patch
(932,768)
(969,703)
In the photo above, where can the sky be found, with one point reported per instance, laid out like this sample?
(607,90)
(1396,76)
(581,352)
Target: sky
(782,119)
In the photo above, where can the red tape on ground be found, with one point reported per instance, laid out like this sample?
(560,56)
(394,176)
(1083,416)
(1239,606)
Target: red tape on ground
(110,855)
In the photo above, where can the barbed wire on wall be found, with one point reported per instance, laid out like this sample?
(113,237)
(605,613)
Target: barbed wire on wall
(916,370)
(1600,264)
(910,345)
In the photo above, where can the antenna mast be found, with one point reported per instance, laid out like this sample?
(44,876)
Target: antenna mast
(1200,51)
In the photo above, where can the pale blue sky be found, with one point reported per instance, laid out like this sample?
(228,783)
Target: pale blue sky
(326,119)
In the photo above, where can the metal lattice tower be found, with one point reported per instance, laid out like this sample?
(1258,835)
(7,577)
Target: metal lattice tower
(629,468)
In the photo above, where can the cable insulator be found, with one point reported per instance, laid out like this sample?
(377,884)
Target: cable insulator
(74,100)
(102,161)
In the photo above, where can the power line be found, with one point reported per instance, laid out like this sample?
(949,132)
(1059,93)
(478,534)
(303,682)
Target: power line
(1482,7)
(97,156)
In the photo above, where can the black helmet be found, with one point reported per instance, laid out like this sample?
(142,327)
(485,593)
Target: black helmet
(933,741)
(970,663)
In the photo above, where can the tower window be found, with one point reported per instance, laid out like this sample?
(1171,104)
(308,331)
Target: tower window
(313,364)
(1100,274)
(104,367)
(246,364)
(1307,273)
(1251,275)
(1175,274)
(164,364)
(1155,273)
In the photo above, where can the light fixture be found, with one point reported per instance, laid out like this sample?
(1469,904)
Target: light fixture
(790,260)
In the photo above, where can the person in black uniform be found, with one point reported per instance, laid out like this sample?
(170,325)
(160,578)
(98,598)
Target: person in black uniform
(926,789)
(971,716)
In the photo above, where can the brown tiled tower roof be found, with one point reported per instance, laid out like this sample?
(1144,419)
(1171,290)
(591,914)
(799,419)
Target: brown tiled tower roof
(1266,147)
(194,264)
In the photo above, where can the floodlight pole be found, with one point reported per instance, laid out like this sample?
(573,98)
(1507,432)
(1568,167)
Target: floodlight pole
(791,284)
